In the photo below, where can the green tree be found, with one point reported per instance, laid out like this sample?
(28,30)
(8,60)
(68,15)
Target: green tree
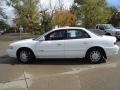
(63,18)
(95,11)
(27,14)
(79,2)
(3,25)
(76,8)
(115,19)
(46,21)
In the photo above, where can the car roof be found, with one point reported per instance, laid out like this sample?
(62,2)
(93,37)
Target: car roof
(103,24)
(62,28)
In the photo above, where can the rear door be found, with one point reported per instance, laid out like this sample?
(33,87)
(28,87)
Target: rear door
(76,44)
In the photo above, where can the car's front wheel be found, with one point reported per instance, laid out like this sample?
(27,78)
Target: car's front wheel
(95,56)
(25,56)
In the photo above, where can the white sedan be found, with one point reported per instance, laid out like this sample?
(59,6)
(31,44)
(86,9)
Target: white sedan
(66,42)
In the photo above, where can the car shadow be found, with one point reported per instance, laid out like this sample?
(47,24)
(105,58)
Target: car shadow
(12,61)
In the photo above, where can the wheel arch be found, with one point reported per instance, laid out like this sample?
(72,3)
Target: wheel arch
(22,48)
(108,33)
(97,47)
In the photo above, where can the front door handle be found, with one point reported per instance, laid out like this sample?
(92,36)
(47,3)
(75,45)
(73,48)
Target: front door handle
(59,44)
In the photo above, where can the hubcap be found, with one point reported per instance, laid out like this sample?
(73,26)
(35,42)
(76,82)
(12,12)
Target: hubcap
(24,56)
(95,56)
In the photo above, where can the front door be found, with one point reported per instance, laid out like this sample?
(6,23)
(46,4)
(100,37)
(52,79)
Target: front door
(53,46)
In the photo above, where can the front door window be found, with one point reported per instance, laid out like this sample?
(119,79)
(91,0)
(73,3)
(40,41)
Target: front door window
(56,35)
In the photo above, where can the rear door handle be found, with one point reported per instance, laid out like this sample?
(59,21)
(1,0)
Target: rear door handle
(85,43)
(41,50)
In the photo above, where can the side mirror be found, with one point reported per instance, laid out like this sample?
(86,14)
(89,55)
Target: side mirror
(42,39)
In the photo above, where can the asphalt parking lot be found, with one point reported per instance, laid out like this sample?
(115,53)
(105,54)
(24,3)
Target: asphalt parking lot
(58,74)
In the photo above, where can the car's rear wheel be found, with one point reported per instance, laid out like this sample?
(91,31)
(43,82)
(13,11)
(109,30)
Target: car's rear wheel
(26,56)
(95,56)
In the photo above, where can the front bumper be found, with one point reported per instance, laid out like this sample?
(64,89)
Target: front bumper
(118,36)
(11,53)
(112,51)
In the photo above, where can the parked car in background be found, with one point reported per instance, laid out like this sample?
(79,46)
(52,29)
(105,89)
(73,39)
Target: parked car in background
(118,27)
(1,32)
(108,29)
(66,42)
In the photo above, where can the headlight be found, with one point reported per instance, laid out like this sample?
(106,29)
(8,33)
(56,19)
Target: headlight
(10,47)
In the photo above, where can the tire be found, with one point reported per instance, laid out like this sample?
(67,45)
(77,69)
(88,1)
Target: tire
(118,39)
(95,56)
(25,56)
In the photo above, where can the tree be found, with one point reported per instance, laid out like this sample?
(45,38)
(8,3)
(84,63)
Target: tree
(76,8)
(95,11)
(3,25)
(46,16)
(2,14)
(27,14)
(79,2)
(115,19)
(46,22)
(63,18)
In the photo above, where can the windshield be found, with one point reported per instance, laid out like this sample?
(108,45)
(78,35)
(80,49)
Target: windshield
(38,38)
(109,26)
(94,32)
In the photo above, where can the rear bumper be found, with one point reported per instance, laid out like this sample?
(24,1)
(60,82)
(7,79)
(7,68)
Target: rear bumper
(112,51)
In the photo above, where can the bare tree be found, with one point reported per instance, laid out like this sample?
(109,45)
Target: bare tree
(61,5)
(2,14)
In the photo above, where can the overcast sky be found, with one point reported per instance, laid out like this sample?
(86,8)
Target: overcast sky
(45,4)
